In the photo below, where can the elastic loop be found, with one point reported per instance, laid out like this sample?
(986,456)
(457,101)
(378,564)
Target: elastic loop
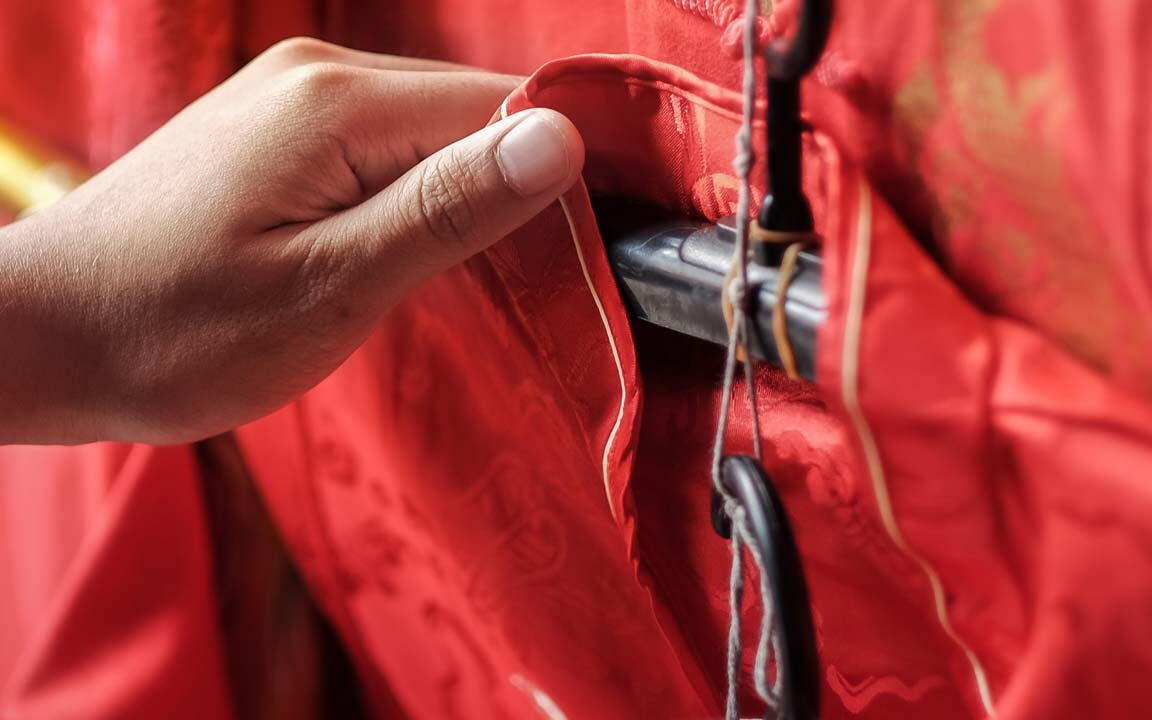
(779,316)
(776,237)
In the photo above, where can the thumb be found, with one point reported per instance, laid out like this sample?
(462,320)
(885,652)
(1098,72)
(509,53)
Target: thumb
(466,196)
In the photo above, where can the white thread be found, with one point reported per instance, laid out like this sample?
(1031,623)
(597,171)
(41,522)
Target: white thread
(770,693)
(735,597)
(544,702)
(739,335)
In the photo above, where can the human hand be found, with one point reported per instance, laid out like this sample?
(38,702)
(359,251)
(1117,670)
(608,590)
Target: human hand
(238,255)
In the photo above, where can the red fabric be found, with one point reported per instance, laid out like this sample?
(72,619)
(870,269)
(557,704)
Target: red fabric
(1016,473)
(106,599)
(48,500)
(1012,135)
(130,630)
(498,531)
(967,483)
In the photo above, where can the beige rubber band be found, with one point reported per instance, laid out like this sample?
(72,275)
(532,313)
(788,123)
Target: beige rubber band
(779,316)
(796,243)
(775,237)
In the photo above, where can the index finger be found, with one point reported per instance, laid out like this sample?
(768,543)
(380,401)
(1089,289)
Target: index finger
(388,122)
(294,52)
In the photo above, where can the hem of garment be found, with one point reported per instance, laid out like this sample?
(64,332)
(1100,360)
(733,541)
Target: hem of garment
(610,443)
(849,386)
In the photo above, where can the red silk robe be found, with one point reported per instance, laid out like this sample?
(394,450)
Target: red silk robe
(500,501)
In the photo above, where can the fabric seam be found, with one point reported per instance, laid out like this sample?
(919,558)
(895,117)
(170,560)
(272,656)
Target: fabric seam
(610,443)
(608,76)
(850,396)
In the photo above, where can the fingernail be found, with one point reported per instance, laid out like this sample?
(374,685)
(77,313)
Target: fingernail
(533,155)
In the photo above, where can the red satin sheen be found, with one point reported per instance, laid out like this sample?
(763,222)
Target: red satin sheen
(500,500)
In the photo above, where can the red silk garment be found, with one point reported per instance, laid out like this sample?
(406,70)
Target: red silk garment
(107,605)
(967,486)
(1010,137)
(129,627)
(922,600)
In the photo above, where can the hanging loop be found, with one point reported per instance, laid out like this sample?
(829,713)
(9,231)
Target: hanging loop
(744,482)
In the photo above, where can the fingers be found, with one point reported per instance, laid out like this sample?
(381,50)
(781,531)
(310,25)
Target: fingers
(384,114)
(423,112)
(460,200)
(298,51)
(386,122)
(303,50)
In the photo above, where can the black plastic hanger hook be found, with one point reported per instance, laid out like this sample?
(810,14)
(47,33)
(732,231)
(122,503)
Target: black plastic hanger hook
(788,60)
(745,481)
(792,58)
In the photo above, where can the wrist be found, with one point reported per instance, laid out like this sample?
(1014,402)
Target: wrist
(46,351)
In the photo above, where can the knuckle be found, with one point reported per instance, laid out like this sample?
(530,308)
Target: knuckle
(322,78)
(298,51)
(447,213)
(314,89)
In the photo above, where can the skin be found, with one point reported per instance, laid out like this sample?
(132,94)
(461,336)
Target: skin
(237,256)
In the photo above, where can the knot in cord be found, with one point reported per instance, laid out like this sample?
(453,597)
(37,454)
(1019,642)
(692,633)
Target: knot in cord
(738,293)
(745,157)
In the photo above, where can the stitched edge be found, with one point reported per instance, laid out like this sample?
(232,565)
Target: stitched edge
(718,13)
(849,383)
(582,76)
(611,441)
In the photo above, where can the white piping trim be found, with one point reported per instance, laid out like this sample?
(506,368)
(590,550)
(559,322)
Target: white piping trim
(544,702)
(849,380)
(615,355)
(607,331)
